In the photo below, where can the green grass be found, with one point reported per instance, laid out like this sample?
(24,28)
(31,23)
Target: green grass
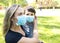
(48,28)
(1,35)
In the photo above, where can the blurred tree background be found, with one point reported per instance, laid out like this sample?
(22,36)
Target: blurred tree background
(7,3)
(45,3)
(48,3)
(35,3)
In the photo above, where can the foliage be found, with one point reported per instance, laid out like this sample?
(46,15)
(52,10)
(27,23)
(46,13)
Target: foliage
(10,2)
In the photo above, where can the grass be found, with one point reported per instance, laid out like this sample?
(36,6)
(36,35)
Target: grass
(1,35)
(48,29)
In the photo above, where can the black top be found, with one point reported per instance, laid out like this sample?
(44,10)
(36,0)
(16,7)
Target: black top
(13,37)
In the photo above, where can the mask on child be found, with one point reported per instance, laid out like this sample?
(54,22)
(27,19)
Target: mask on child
(30,18)
(21,20)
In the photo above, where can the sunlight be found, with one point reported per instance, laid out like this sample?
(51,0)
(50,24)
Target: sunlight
(55,31)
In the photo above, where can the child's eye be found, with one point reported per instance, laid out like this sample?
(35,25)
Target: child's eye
(20,13)
(31,14)
(27,14)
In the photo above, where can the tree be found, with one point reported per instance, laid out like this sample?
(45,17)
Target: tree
(10,2)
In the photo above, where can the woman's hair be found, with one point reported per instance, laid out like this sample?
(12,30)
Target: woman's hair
(7,20)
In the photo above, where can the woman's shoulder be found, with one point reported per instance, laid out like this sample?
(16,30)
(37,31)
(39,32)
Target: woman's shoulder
(11,33)
(12,36)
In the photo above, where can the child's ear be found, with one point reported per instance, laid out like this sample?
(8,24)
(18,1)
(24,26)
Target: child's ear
(35,17)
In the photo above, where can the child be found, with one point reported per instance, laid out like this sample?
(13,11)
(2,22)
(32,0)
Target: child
(30,28)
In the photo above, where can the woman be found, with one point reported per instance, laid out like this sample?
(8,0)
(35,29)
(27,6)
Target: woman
(13,20)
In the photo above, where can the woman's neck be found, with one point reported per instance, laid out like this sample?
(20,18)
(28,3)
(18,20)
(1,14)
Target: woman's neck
(17,29)
(14,27)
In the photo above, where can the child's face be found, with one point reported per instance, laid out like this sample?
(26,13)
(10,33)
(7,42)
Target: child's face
(29,13)
(30,16)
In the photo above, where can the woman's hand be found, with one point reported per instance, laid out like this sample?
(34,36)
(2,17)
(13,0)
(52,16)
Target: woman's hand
(28,40)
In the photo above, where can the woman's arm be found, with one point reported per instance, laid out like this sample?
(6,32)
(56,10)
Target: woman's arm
(34,39)
(28,40)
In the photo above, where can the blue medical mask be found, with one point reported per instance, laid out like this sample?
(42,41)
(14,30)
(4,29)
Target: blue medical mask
(21,20)
(30,18)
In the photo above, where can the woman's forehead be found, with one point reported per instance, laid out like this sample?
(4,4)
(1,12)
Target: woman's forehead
(20,10)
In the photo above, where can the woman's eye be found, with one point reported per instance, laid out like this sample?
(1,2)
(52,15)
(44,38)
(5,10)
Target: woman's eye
(20,13)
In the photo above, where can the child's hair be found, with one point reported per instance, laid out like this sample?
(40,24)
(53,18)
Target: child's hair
(31,9)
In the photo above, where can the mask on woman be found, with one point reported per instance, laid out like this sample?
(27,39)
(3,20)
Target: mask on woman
(21,20)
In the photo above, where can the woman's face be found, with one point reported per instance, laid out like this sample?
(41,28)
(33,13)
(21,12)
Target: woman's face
(19,12)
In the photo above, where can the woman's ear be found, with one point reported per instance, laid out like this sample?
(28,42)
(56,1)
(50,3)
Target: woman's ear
(13,19)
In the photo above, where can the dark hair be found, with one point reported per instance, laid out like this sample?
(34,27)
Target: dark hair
(31,9)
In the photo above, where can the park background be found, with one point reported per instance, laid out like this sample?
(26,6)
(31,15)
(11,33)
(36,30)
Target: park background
(48,18)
